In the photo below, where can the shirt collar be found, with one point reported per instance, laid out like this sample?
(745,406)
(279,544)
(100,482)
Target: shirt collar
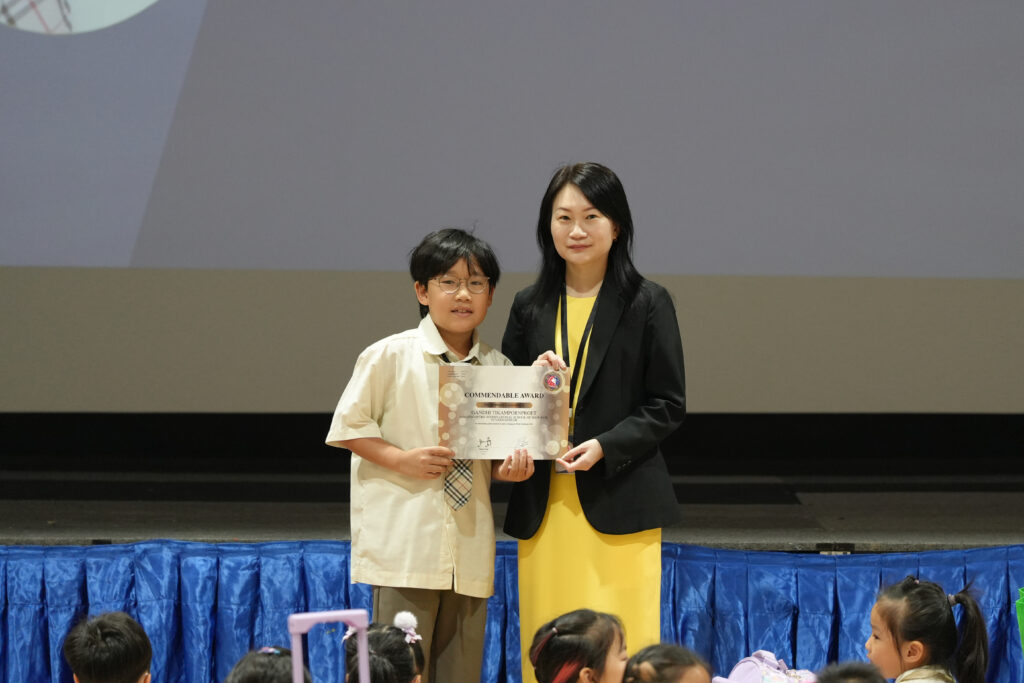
(929,672)
(434,345)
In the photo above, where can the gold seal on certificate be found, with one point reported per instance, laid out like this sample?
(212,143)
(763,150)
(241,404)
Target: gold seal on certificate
(487,411)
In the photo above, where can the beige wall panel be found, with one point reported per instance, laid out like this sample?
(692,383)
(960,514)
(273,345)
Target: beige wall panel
(127,340)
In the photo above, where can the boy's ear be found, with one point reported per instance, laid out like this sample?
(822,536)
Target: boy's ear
(421,293)
(587,675)
(913,653)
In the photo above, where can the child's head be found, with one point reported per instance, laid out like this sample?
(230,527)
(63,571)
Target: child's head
(850,672)
(109,648)
(449,264)
(912,625)
(580,647)
(665,663)
(265,665)
(396,655)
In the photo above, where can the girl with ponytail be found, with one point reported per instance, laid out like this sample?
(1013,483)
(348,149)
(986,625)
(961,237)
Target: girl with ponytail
(395,652)
(915,637)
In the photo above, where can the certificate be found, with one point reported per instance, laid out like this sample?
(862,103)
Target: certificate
(487,411)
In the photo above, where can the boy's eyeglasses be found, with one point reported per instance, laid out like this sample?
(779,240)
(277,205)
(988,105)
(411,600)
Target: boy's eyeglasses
(475,285)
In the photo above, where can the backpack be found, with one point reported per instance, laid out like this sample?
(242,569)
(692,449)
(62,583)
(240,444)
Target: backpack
(764,667)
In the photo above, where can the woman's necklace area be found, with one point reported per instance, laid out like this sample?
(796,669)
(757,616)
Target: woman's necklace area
(589,290)
(582,284)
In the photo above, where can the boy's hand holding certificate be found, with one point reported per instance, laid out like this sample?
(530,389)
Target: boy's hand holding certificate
(486,412)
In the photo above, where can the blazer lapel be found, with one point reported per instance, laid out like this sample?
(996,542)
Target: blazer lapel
(609,309)
(543,336)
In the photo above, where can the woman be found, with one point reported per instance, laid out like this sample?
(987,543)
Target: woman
(591,536)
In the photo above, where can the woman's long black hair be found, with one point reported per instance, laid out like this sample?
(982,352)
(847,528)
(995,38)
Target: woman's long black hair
(602,187)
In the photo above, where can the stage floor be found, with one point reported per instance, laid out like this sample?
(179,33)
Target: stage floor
(813,514)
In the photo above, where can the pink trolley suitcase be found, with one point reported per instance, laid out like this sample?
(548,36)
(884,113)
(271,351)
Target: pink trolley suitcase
(299,624)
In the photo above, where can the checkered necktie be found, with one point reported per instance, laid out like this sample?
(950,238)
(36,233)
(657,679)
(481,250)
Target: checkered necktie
(458,482)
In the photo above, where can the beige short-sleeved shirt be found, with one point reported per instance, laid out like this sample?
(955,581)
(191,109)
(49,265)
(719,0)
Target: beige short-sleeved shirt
(403,532)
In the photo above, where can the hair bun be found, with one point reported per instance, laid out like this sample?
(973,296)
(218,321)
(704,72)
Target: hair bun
(405,620)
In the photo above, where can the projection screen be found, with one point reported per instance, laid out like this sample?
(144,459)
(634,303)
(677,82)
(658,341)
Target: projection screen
(209,205)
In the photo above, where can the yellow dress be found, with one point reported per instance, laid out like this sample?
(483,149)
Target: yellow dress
(568,565)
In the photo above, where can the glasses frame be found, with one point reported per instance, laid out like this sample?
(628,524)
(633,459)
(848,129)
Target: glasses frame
(463,282)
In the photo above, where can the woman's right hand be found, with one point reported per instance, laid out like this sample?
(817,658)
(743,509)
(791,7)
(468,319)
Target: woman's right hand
(550,359)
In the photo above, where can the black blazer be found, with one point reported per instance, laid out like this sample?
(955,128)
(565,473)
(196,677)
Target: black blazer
(632,396)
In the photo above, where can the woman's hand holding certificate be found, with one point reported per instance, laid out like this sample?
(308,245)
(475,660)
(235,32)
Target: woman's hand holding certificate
(550,359)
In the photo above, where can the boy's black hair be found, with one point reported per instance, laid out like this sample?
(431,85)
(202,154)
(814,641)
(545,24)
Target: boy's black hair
(393,659)
(265,665)
(442,249)
(850,672)
(109,648)
(662,663)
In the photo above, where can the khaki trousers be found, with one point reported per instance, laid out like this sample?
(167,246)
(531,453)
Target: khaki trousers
(452,626)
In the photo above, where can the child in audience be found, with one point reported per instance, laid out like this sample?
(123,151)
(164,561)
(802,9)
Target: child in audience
(265,665)
(850,672)
(422,525)
(109,648)
(396,655)
(583,646)
(914,636)
(666,663)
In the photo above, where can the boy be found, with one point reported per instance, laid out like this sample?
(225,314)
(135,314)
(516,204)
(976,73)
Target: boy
(422,527)
(109,648)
